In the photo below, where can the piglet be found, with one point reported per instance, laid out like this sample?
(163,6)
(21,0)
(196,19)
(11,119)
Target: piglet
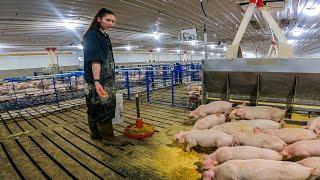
(314,125)
(211,108)
(260,140)
(225,154)
(204,138)
(209,121)
(291,135)
(261,123)
(312,162)
(260,169)
(258,112)
(302,149)
(233,127)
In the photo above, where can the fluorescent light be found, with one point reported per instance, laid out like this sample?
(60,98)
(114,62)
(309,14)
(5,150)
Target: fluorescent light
(211,54)
(297,31)
(193,43)
(225,49)
(128,48)
(203,52)
(312,9)
(178,50)
(192,52)
(212,46)
(70,24)
(158,49)
(3,46)
(156,35)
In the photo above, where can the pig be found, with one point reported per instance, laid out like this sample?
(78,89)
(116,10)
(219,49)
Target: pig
(291,135)
(312,162)
(204,138)
(314,125)
(260,140)
(193,93)
(194,87)
(211,108)
(261,123)
(210,121)
(258,112)
(260,169)
(233,127)
(225,154)
(302,149)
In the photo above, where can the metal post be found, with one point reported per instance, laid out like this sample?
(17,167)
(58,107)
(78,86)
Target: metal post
(164,75)
(139,73)
(137,105)
(187,71)
(147,86)
(55,91)
(70,87)
(15,95)
(152,77)
(127,84)
(42,85)
(172,89)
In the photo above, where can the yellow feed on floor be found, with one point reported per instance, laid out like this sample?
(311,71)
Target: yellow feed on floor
(177,164)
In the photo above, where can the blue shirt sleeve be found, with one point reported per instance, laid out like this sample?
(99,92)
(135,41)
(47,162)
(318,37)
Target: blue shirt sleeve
(91,48)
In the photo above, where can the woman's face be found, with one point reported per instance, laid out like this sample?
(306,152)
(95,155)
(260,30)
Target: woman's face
(107,21)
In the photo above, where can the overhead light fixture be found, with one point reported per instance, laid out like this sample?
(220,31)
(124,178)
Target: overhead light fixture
(211,54)
(70,24)
(225,49)
(192,52)
(312,9)
(156,35)
(212,46)
(297,31)
(193,43)
(203,52)
(128,48)
(178,50)
(158,49)
(3,46)
(80,47)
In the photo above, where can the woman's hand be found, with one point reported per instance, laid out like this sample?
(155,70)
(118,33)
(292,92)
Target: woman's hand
(99,89)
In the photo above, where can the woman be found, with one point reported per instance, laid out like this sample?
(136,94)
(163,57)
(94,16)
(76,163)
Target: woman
(100,79)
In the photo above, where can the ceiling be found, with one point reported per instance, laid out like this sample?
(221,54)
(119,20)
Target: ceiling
(41,23)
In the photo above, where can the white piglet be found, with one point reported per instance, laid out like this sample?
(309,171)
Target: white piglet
(225,154)
(260,169)
(204,138)
(211,108)
(209,121)
(260,140)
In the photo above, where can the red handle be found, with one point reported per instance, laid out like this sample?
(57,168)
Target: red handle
(259,3)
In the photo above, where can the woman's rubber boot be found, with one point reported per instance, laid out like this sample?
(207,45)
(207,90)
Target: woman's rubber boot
(108,138)
(94,131)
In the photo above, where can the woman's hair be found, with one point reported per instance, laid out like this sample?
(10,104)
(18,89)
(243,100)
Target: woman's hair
(102,12)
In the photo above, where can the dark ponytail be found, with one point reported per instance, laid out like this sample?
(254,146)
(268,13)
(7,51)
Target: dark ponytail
(102,12)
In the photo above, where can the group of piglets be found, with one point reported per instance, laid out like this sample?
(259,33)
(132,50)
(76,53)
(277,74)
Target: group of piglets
(253,144)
